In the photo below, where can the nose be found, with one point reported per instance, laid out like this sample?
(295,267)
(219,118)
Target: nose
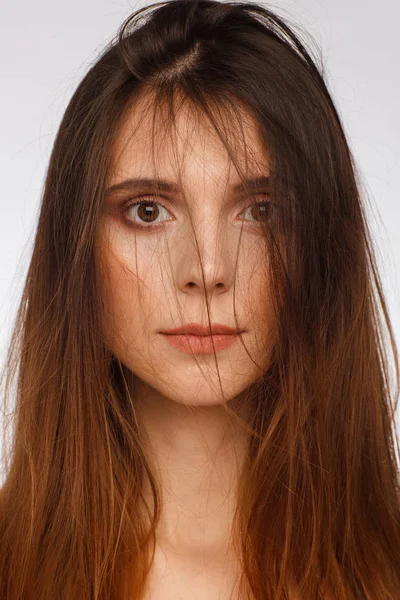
(209,267)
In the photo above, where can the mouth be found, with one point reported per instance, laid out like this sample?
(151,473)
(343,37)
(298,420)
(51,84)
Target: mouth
(199,330)
(202,344)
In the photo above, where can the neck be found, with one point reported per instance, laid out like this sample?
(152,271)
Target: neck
(197,453)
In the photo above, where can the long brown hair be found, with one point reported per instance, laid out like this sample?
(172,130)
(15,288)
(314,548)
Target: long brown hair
(319,494)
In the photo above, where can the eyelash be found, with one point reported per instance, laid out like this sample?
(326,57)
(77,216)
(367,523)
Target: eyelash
(143,200)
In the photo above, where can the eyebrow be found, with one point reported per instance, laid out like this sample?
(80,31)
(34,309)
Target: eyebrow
(168,186)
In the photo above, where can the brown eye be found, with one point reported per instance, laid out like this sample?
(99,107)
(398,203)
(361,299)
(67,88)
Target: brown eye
(147,212)
(262,212)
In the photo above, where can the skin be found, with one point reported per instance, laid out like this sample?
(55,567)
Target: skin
(152,281)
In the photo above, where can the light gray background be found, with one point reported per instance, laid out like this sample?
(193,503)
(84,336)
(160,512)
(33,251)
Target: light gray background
(46,47)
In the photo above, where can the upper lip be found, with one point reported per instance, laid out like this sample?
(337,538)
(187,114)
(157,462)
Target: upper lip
(198,329)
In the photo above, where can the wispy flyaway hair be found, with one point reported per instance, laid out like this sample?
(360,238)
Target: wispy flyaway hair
(319,492)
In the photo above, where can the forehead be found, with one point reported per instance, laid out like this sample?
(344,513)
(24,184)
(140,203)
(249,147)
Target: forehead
(148,145)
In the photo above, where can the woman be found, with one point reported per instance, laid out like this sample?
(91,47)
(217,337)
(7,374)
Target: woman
(201,179)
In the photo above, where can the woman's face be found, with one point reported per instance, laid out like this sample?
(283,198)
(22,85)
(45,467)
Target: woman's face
(152,278)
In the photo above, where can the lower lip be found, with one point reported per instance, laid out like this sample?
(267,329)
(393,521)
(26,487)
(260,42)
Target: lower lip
(197,344)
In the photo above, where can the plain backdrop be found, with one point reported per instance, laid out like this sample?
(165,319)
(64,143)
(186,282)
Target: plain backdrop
(46,46)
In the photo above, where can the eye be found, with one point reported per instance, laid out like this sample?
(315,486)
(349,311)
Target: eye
(263,211)
(147,211)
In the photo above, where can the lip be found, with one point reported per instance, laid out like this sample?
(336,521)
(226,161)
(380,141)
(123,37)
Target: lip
(201,344)
(196,329)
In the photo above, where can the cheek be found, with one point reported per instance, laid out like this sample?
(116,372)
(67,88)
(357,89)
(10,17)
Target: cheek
(258,304)
(256,281)
(131,304)
(130,286)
